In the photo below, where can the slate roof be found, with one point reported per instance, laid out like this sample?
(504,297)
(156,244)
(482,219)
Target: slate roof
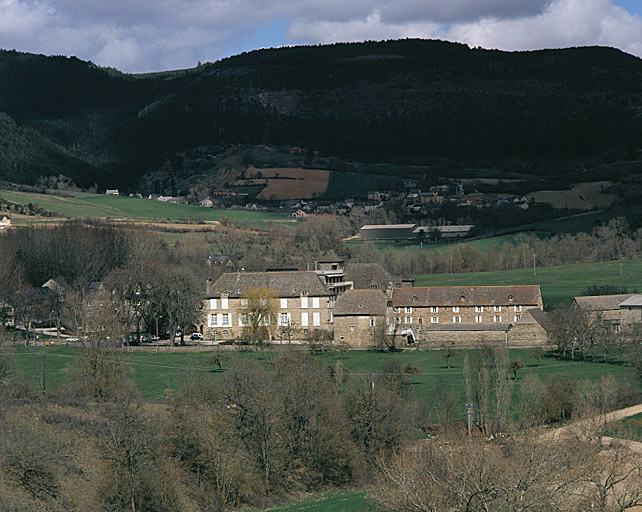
(284,284)
(601,302)
(467,296)
(361,302)
(634,300)
(365,275)
(331,257)
(466,327)
(540,317)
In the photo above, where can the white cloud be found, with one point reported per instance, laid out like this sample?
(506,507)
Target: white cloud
(564,23)
(137,35)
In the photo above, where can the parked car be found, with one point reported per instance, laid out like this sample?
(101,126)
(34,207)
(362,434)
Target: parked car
(196,336)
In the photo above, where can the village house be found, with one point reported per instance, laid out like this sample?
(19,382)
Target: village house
(303,304)
(359,316)
(5,221)
(464,315)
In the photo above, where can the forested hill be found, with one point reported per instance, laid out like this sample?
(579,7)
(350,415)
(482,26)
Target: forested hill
(408,102)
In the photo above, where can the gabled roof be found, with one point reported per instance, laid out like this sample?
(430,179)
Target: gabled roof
(284,284)
(366,275)
(601,302)
(633,300)
(360,302)
(539,316)
(331,257)
(467,296)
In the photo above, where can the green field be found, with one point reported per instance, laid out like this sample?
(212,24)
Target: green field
(343,501)
(156,373)
(399,246)
(100,205)
(559,284)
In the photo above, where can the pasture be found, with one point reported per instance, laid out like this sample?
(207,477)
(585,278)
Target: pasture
(559,284)
(159,374)
(399,246)
(99,205)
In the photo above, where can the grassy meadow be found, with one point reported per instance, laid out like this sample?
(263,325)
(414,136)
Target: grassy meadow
(100,205)
(398,246)
(158,374)
(559,284)
(343,501)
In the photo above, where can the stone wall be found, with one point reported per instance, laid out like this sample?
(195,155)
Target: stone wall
(356,331)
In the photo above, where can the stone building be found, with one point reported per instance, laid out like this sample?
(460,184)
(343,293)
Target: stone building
(605,308)
(303,304)
(359,315)
(464,315)
(531,329)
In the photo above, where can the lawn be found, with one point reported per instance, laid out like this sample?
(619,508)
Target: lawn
(100,205)
(155,373)
(559,284)
(343,501)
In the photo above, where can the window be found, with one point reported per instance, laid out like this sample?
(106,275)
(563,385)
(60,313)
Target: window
(434,320)
(226,319)
(304,301)
(224,302)
(498,319)
(408,309)
(243,321)
(211,320)
(455,309)
(478,319)
(284,319)
(396,310)
(518,309)
(225,332)
(456,319)
(408,320)
(243,302)
(498,308)
(284,303)
(373,321)
(434,309)
(304,319)
(352,328)
(517,317)
(510,298)
(342,338)
(315,302)
(462,298)
(212,303)
(316,319)
(479,309)
(305,331)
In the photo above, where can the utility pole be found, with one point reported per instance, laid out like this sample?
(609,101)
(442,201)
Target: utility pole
(44,372)
(470,414)
(534,265)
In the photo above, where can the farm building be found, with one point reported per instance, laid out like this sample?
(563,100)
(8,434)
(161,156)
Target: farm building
(358,316)
(387,231)
(464,315)
(612,309)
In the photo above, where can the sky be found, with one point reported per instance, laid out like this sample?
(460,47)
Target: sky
(155,35)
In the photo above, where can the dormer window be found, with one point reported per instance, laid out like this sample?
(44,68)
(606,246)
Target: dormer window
(414,299)
(462,298)
(510,298)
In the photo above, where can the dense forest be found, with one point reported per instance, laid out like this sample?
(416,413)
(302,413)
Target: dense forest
(410,101)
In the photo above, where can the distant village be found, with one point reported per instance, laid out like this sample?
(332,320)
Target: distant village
(410,201)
